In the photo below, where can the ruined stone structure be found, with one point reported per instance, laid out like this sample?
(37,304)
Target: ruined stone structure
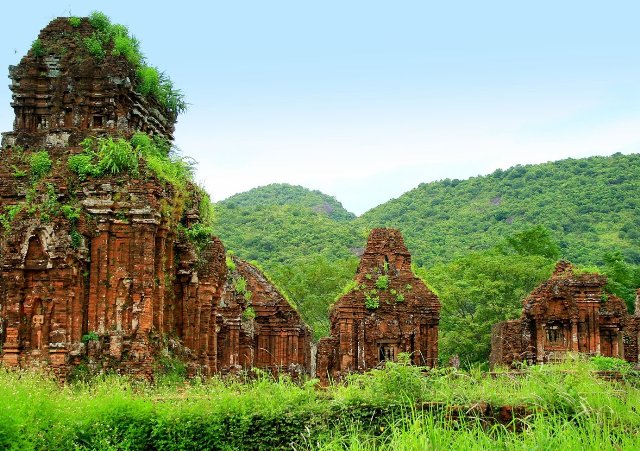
(99,270)
(64,95)
(388,311)
(567,313)
(256,326)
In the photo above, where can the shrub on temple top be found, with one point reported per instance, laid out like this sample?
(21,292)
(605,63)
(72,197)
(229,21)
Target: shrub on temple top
(151,81)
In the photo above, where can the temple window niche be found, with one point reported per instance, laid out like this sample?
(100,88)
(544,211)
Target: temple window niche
(43,122)
(555,334)
(387,351)
(98,121)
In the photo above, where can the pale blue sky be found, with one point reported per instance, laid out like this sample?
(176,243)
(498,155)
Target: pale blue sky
(365,100)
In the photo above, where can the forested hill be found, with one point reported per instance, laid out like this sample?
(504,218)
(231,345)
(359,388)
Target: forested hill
(281,194)
(481,243)
(591,205)
(279,223)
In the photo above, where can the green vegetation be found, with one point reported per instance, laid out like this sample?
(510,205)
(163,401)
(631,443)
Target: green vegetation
(18,173)
(37,48)
(10,212)
(382,282)
(587,205)
(39,164)
(371,299)
(281,194)
(72,213)
(482,244)
(478,291)
(76,239)
(398,407)
(231,265)
(199,234)
(312,283)
(75,21)
(115,38)
(240,285)
(104,155)
(248,314)
(91,336)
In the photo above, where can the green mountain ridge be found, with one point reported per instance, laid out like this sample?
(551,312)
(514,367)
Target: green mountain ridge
(482,243)
(281,194)
(590,205)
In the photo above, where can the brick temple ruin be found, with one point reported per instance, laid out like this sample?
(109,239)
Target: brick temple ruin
(568,313)
(388,311)
(119,285)
(100,270)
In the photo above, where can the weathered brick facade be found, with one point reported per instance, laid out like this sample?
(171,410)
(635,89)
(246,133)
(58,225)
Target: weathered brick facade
(567,313)
(122,275)
(388,311)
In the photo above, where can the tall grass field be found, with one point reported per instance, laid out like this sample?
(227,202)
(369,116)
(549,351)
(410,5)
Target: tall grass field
(565,406)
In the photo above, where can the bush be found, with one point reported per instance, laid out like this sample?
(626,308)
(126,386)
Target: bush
(11,211)
(116,156)
(382,282)
(94,45)
(76,239)
(40,164)
(371,300)
(100,21)
(70,212)
(82,165)
(199,234)
(151,82)
(248,314)
(240,284)
(91,336)
(38,49)
(610,364)
(75,21)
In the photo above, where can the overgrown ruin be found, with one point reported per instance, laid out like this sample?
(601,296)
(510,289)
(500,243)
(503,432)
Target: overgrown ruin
(567,313)
(106,261)
(387,311)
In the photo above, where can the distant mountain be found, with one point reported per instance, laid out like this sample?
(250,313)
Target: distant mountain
(591,205)
(279,223)
(281,194)
(307,242)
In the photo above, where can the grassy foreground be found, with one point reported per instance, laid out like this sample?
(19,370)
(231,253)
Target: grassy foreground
(399,407)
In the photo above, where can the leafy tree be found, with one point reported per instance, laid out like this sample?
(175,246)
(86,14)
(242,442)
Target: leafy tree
(476,292)
(313,283)
(535,241)
(623,278)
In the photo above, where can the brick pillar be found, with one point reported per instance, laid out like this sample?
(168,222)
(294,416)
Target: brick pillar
(98,278)
(596,330)
(234,343)
(574,334)
(614,344)
(539,342)
(346,345)
(434,347)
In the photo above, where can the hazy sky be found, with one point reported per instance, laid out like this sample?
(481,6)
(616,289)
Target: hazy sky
(365,100)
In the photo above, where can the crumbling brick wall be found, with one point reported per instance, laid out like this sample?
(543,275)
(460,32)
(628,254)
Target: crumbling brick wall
(259,325)
(113,285)
(567,313)
(388,311)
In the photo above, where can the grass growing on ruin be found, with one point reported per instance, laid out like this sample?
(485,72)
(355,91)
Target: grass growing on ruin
(151,81)
(566,408)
